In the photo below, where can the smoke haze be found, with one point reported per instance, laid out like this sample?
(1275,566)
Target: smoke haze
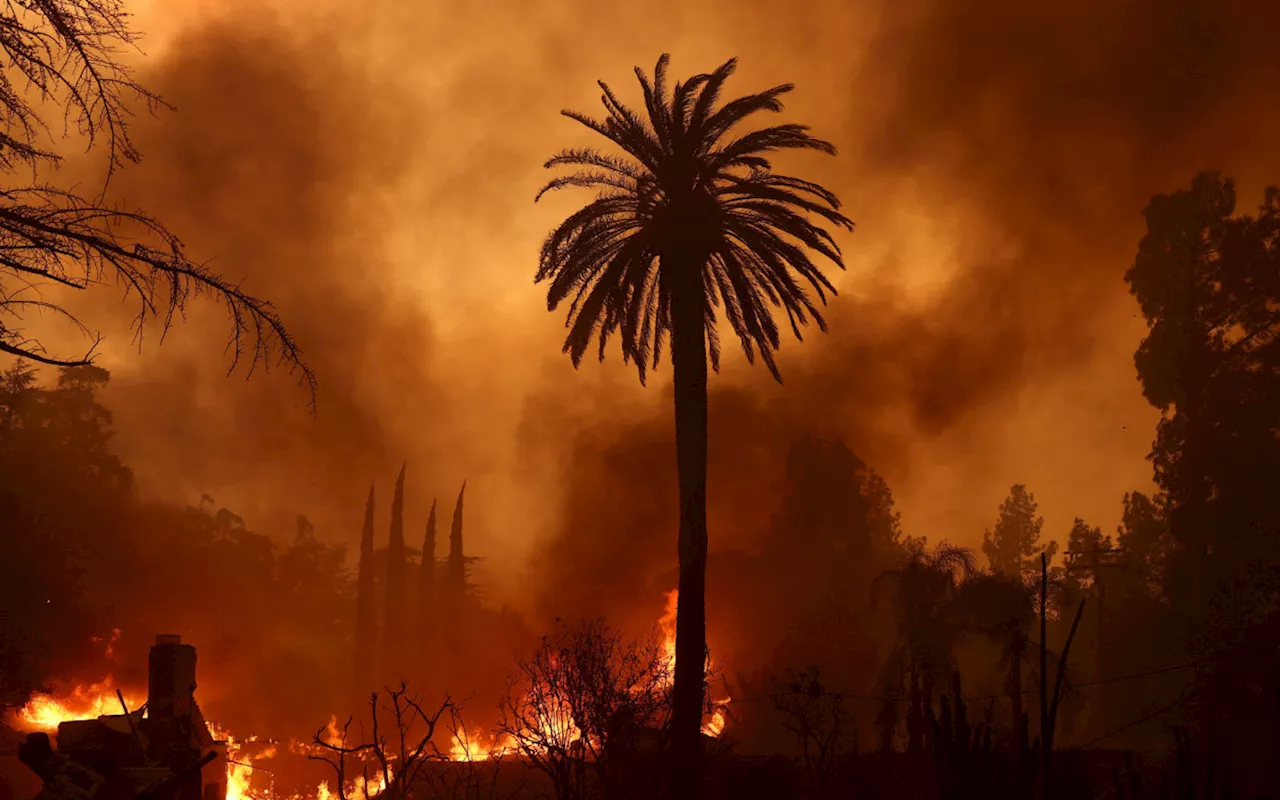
(371,170)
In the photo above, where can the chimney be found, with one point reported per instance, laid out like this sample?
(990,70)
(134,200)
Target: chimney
(171,682)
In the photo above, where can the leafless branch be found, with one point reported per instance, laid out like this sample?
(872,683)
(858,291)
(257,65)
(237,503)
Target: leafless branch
(68,54)
(53,237)
(412,724)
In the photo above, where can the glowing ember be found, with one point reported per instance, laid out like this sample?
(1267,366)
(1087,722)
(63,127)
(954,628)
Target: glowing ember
(110,652)
(86,701)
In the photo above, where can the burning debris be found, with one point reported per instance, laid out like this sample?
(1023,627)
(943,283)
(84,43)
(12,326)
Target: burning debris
(160,755)
(111,745)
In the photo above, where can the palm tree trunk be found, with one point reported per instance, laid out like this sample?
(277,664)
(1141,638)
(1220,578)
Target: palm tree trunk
(689,358)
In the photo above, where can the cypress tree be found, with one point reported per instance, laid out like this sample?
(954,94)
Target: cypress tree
(426,592)
(366,621)
(394,635)
(457,563)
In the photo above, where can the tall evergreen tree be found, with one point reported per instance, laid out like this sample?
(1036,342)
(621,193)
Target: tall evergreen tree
(1207,283)
(366,616)
(426,593)
(394,635)
(457,561)
(1013,548)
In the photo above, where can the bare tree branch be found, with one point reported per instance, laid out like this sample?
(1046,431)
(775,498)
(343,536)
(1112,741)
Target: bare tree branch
(67,54)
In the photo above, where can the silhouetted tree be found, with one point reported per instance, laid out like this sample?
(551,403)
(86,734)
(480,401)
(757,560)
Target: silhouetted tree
(401,757)
(312,574)
(835,509)
(1143,534)
(46,623)
(1013,548)
(690,217)
(427,602)
(925,586)
(76,532)
(366,609)
(1208,283)
(1083,539)
(393,637)
(64,57)
(1001,608)
(580,708)
(457,559)
(822,726)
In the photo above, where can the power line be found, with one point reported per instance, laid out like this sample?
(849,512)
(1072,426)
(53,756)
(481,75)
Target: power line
(1139,720)
(1104,681)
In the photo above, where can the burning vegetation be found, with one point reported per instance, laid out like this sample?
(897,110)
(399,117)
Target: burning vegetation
(581,701)
(817,645)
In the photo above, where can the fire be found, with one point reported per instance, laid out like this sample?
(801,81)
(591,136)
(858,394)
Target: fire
(360,789)
(715,722)
(240,765)
(479,746)
(559,727)
(45,711)
(110,652)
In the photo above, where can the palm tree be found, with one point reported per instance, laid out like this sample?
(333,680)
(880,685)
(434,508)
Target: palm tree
(1002,608)
(688,217)
(926,585)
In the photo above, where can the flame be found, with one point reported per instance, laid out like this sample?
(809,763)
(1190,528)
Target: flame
(479,746)
(714,723)
(45,711)
(110,652)
(558,725)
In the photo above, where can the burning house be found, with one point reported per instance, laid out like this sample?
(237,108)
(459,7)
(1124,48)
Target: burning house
(161,751)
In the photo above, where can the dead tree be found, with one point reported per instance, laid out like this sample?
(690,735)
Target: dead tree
(399,755)
(584,706)
(65,55)
(474,777)
(822,726)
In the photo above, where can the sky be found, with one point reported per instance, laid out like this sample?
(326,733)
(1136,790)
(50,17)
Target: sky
(371,169)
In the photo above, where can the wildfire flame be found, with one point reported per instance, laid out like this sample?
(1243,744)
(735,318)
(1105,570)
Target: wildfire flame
(479,746)
(45,711)
(240,765)
(714,724)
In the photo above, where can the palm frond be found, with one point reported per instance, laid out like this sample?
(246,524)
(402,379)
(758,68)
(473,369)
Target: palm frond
(756,229)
